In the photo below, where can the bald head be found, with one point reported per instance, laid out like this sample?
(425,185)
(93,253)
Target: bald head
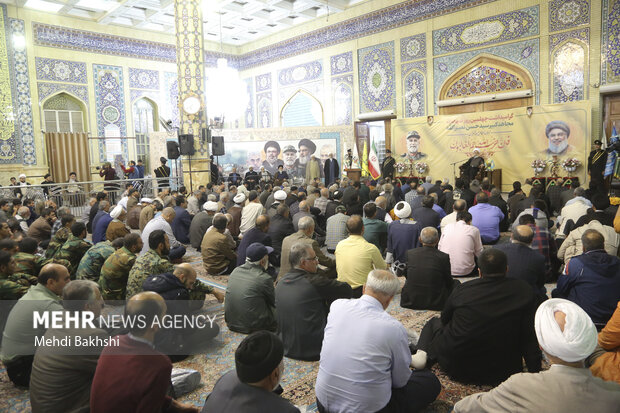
(146,306)
(186,273)
(262,223)
(381,202)
(429,237)
(303,206)
(523,234)
(355,225)
(168,214)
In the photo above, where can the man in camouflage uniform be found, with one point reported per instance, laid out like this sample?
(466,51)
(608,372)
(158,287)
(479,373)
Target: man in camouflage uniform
(25,260)
(115,270)
(92,261)
(61,236)
(74,249)
(154,261)
(12,284)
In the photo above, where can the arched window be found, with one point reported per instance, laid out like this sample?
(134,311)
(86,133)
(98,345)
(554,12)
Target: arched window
(302,109)
(486,75)
(64,113)
(144,121)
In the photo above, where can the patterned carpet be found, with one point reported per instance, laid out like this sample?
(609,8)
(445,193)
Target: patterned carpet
(299,377)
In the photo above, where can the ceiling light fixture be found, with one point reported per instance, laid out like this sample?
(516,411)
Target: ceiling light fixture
(43,6)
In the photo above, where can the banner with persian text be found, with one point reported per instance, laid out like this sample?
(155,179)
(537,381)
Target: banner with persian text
(511,138)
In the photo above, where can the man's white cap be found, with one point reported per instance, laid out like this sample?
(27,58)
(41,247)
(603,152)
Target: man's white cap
(22,176)
(146,201)
(476,150)
(280,195)
(239,198)
(116,212)
(402,210)
(210,206)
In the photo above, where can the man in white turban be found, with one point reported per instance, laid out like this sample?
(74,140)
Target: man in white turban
(403,235)
(566,336)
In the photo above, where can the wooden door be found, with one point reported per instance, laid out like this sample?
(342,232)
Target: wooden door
(612,114)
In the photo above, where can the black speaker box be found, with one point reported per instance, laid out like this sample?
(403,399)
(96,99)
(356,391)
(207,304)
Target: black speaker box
(217,146)
(173,149)
(186,144)
(205,135)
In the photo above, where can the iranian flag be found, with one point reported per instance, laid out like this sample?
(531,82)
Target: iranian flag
(373,162)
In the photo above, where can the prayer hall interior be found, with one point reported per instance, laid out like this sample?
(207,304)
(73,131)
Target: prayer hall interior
(309,206)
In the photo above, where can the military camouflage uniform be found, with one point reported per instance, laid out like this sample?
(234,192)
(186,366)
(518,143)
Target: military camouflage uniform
(73,250)
(28,263)
(13,286)
(148,264)
(58,240)
(92,261)
(114,274)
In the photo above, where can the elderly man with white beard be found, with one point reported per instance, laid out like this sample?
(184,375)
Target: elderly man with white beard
(289,155)
(557,133)
(567,337)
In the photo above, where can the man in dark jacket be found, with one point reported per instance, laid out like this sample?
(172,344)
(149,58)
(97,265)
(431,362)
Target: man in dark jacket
(496,200)
(249,387)
(182,220)
(592,279)
(334,202)
(486,328)
(302,299)
(256,234)
(250,295)
(177,289)
(201,222)
(524,262)
(429,278)
(280,227)
(425,215)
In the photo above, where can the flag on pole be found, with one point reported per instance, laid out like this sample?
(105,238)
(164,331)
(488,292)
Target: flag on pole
(365,159)
(373,162)
(610,166)
(356,157)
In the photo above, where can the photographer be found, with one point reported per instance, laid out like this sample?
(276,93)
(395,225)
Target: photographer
(109,174)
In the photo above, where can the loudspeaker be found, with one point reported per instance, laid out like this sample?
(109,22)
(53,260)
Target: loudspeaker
(205,135)
(186,144)
(173,149)
(217,146)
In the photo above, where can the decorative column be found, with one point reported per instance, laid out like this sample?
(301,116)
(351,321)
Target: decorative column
(190,71)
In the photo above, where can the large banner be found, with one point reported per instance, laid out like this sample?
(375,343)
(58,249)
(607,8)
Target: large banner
(511,138)
(291,154)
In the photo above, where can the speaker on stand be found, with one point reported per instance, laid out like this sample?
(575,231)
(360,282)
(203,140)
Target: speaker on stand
(186,145)
(217,146)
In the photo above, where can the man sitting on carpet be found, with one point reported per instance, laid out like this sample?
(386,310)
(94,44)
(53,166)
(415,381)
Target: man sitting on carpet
(302,300)
(461,241)
(132,376)
(116,268)
(162,222)
(217,255)
(365,360)
(567,336)
(486,327)
(403,235)
(155,261)
(250,296)
(250,387)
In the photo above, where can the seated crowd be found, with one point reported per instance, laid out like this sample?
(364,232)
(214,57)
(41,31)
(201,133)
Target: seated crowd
(311,271)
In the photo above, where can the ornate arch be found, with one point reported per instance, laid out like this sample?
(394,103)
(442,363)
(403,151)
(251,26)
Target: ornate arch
(313,100)
(83,105)
(569,71)
(486,74)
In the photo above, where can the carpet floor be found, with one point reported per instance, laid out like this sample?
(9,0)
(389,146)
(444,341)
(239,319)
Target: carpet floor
(299,377)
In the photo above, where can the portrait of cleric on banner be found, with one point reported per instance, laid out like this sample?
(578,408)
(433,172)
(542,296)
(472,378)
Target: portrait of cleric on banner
(510,138)
(292,155)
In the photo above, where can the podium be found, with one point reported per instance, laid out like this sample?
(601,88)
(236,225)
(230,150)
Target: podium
(354,174)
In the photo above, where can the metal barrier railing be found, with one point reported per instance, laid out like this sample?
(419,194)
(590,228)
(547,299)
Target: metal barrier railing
(76,195)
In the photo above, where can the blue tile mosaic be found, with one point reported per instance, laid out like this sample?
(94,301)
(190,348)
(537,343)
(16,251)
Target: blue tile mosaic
(136,94)
(74,39)
(249,110)
(60,70)
(25,129)
(48,89)
(496,29)
(444,66)
(143,79)
(341,63)
(9,127)
(414,88)
(263,82)
(566,14)
(170,92)
(569,86)
(610,47)
(413,47)
(582,34)
(265,115)
(342,103)
(109,102)
(377,78)
(300,73)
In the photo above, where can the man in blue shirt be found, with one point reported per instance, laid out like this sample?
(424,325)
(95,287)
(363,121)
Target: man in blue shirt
(486,218)
(372,374)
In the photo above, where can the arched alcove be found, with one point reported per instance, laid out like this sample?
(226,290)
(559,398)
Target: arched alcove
(569,71)
(486,75)
(63,112)
(145,116)
(302,109)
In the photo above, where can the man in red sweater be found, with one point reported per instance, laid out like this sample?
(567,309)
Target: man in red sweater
(131,375)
